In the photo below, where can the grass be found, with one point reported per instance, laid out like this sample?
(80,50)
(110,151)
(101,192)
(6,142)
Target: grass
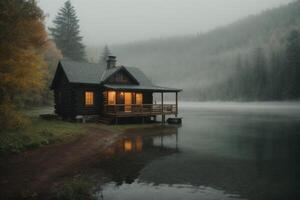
(39,132)
(42,132)
(75,189)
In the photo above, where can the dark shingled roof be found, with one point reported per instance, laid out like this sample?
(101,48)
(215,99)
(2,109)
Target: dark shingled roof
(81,72)
(88,73)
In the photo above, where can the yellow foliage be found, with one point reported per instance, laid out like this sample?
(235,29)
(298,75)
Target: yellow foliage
(23,43)
(10,118)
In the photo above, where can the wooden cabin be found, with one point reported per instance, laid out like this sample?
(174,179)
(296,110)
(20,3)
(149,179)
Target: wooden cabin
(85,89)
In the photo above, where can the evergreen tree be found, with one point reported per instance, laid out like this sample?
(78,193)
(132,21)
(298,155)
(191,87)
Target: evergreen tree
(104,56)
(259,73)
(66,35)
(293,64)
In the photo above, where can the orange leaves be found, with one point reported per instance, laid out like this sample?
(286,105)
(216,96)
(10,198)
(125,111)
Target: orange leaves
(22,50)
(23,47)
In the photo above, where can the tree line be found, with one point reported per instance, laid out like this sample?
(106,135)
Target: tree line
(265,74)
(206,65)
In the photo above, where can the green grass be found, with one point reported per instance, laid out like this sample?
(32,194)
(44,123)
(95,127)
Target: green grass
(75,189)
(42,132)
(39,132)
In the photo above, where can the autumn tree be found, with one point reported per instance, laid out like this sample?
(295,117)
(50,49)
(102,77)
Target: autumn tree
(66,33)
(23,41)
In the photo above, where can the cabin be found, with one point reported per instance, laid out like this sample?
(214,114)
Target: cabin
(114,92)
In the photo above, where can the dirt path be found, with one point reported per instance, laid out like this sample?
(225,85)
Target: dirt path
(37,170)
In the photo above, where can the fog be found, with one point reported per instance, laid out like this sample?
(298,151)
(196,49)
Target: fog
(121,21)
(213,50)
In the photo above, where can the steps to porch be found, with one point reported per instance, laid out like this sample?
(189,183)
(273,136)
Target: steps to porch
(105,119)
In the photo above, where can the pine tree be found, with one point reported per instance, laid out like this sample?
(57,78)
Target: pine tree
(104,56)
(259,73)
(66,33)
(293,64)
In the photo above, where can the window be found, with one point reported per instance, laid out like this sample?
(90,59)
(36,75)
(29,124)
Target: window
(111,98)
(89,98)
(139,98)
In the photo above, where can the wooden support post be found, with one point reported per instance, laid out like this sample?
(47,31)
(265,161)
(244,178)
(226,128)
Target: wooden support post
(176,104)
(176,138)
(163,119)
(162,108)
(116,120)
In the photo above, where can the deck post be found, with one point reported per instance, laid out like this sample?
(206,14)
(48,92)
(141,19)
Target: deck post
(176,104)
(162,108)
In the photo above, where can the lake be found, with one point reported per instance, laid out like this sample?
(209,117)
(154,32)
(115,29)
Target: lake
(221,151)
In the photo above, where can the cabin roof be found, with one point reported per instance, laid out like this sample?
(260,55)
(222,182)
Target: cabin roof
(140,88)
(89,73)
(81,72)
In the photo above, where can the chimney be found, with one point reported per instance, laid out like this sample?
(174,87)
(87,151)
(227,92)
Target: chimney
(111,62)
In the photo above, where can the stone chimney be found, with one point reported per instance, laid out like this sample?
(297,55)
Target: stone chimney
(111,62)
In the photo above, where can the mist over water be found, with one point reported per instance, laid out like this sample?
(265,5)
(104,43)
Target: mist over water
(221,151)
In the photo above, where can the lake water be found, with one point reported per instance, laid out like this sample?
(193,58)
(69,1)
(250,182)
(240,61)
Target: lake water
(221,151)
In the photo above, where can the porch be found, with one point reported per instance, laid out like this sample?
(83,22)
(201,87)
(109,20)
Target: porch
(137,101)
(143,110)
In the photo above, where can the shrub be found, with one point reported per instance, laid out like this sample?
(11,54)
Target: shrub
(11,119)
(75,189)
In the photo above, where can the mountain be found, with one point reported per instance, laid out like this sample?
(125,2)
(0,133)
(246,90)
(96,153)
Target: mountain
(202,62)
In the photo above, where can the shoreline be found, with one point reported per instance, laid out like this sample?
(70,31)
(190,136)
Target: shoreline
(35,172)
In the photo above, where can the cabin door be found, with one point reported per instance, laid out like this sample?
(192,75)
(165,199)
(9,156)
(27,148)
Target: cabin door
(128,101)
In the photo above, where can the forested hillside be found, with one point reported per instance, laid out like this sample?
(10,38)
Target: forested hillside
(256,58)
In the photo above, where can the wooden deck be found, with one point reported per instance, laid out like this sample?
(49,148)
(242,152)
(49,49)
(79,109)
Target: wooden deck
(133,110)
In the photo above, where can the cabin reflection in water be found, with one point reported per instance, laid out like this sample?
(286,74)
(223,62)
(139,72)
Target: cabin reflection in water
(133,144)
(127,157)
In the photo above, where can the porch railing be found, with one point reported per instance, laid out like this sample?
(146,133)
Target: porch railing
(143,109)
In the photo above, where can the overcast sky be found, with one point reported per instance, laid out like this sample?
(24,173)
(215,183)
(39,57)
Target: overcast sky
(121,21)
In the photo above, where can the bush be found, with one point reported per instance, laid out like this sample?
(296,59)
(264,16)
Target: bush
(76,189)
(11,119)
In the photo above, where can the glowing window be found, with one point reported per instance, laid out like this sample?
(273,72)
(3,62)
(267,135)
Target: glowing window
(139,98)
(127,145)
(89,98)
(111,98)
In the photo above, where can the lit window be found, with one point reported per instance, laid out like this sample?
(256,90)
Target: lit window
(139,98)
(111,98)
(89,98)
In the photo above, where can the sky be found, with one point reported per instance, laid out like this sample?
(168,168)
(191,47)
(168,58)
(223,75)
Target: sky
(123,21)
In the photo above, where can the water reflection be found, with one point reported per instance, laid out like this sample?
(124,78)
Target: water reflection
(214,155)
(127,157)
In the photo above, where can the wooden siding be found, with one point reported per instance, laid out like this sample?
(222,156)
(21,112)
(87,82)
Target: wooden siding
(79,96)
(121,77)
(70,98)
(63,93)
(147,97)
